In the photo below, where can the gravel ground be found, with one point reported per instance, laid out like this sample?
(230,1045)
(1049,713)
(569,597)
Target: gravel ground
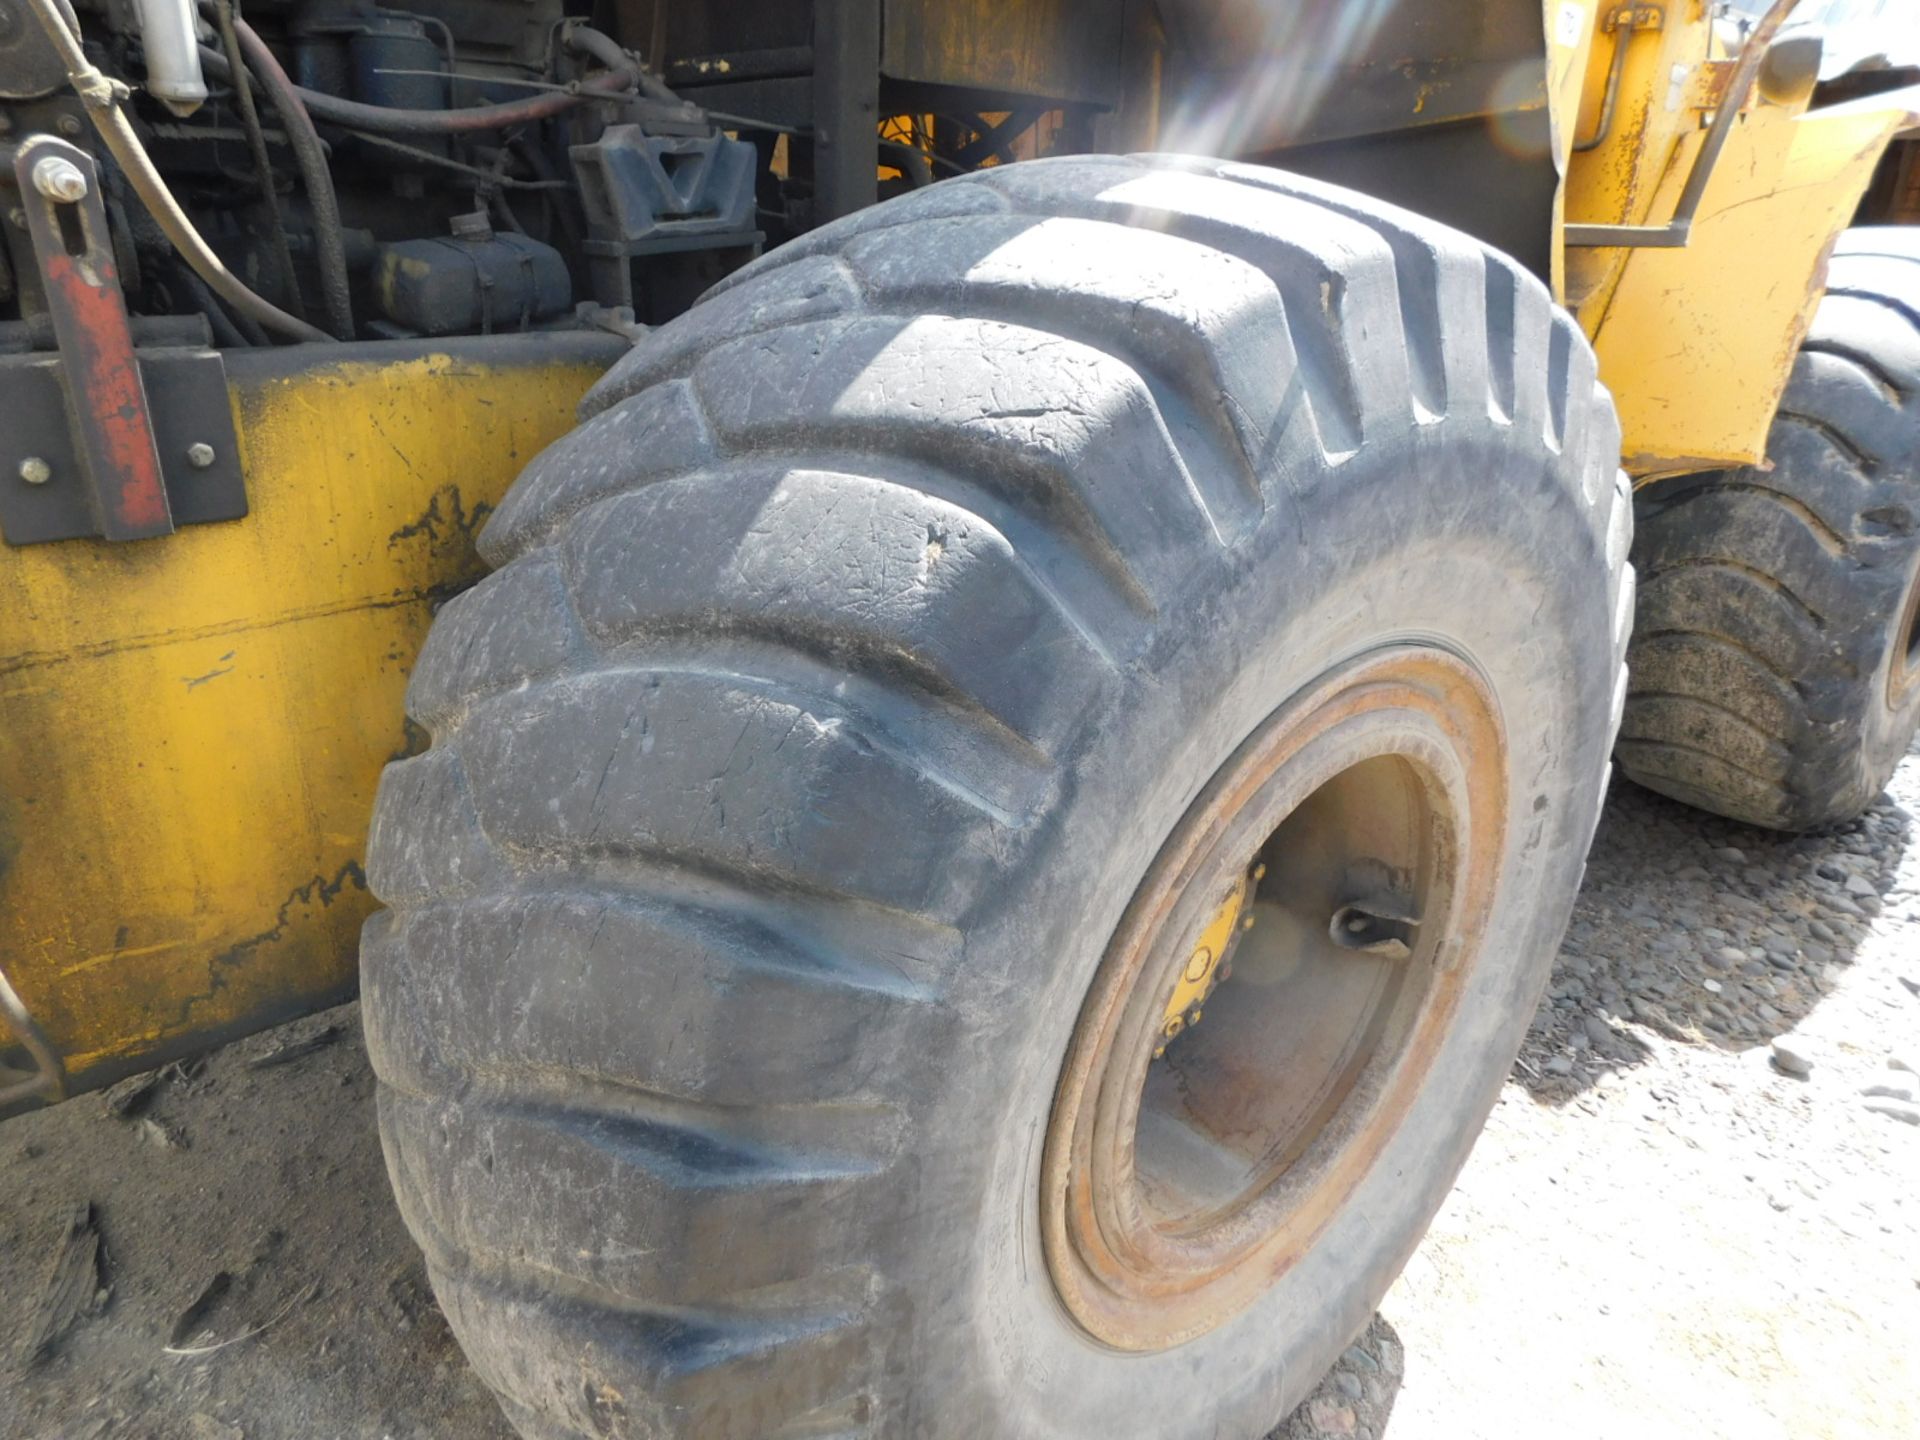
(1695,1212)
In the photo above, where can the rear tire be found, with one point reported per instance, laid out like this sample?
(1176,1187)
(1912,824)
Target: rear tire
(1776,657)
(842,677)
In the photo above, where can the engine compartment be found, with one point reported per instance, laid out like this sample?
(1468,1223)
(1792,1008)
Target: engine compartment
(470,166)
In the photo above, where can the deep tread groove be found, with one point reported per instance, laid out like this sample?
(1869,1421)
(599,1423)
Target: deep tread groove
(1417,273)
(1559,365)
(1847,449)
(1872,366)
(684,1144)
(1312,301)
(1041,485)
(1770,583)
(1772,742)
(1628,742)
(1905,311)
(1502,287)
(1177,396)
(1828,538)
(1757,661)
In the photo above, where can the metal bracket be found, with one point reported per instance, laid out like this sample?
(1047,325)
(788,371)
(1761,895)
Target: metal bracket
(1635,17)
(1675,234)
(106,402)
(649,194)
(44,493)
(1627,19)
(103,440)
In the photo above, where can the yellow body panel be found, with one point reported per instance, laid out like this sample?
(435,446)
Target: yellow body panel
(1696,343)
(191,728)
(1662,90)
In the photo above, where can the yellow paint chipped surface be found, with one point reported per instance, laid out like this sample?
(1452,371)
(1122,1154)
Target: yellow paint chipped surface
(1696,343)
(191,728)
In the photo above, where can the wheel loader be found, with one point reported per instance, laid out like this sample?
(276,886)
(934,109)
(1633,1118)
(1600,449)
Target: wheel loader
(941,667)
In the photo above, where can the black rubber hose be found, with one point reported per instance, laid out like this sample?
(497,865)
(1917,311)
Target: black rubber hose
(597,45)
(257,144)
(387,119)
(330,246)
(229,331)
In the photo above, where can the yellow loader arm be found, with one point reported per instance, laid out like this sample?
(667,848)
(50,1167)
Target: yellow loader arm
(1695,339)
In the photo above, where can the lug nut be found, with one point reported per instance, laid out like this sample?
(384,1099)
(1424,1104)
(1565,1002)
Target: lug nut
(200,455)
(35,471)
(59,179)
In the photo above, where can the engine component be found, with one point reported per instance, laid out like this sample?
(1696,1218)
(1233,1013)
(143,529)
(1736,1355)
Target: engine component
(29,64)
(173,55)
(330,244)
(104,101)
(364,53)
(652,194)
(470,280)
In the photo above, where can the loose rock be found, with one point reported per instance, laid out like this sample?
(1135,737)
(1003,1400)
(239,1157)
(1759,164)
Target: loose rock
(1790,1056)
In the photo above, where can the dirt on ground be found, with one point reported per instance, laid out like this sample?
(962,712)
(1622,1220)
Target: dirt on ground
(1695,1212)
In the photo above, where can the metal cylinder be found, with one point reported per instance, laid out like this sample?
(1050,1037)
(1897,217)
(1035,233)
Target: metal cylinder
(173,54)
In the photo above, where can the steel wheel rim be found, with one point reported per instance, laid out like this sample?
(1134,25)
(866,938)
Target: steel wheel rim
(1903,671)
(1172,1198)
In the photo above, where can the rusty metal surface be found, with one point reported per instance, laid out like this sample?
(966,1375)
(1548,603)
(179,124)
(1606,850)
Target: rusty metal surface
(191,732)
(1139,1270)
(106,399)
(1903,673)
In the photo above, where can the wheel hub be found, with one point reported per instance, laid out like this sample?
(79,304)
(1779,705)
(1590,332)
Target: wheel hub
(1211,962)
(1322,903)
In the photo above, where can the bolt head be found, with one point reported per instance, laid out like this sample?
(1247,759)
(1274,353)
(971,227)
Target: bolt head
(35,471)
(59,179)
(68,125)
(200,455)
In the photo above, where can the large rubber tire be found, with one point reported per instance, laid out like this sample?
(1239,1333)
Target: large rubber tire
(841,677)
(1775,617)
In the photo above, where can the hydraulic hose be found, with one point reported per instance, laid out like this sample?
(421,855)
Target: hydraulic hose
(393,120)
(104,99)
(598,45)
(330,247)
(257,144)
